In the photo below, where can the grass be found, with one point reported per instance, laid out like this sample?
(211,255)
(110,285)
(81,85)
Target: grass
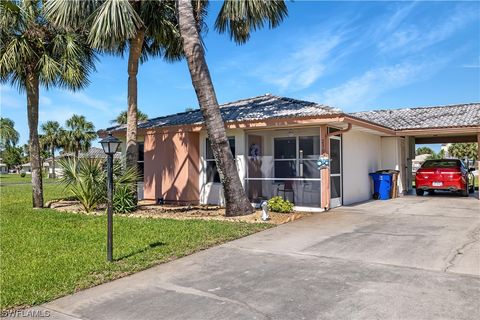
(46,254)
(12,178)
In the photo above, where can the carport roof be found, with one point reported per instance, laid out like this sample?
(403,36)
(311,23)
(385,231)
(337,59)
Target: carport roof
(449,116)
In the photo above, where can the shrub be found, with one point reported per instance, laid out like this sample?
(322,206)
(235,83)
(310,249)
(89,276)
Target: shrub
(124,199)
(87,180)
(23,174)
(277,204)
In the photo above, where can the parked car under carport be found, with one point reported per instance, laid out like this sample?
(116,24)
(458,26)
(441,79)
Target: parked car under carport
(444,174)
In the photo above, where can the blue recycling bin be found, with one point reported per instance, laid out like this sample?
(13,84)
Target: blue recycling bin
(382,185)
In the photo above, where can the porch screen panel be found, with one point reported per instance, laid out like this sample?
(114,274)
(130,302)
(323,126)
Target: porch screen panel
(309,152)
(335,149)
(285,157)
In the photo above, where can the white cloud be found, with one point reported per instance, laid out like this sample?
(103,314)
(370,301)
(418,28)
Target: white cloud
(359,91)
(414,38)
(88,101)
(305,64)
(474,65)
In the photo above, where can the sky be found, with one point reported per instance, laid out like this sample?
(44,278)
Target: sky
(351,55)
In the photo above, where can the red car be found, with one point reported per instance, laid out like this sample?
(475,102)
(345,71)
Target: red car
(443,174)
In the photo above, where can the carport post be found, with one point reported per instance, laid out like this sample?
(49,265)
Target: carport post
(325,173)
(478,163)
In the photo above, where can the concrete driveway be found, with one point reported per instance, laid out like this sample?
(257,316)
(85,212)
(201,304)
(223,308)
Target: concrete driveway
(407,258)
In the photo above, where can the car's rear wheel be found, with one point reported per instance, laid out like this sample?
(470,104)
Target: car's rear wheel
(465,191)
(420,192)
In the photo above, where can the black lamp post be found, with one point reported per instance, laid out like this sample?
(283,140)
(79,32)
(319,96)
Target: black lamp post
(110,145)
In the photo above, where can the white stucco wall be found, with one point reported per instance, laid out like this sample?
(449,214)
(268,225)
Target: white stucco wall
(212,193)
(393,152)
(361,155)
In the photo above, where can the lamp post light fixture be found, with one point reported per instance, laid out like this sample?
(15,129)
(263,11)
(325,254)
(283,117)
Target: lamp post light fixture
(110,145)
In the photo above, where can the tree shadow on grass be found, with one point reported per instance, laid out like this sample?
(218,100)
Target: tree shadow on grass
(148,247)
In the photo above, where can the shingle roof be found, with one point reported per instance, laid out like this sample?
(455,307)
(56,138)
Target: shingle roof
(92,153)
(257,108)
(459,115)
(271,107)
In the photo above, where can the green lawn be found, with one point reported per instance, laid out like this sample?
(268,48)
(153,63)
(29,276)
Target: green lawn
(12,178)
(46,254)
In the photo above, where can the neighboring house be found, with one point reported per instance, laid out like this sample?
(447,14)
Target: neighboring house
(92,153)
(27,167)
(444,148)
(277,141)
(3,168)
(418,161)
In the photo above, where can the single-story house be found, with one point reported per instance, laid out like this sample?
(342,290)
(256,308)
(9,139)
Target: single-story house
(27,167)
(3,168)
(277,142)
(91,153)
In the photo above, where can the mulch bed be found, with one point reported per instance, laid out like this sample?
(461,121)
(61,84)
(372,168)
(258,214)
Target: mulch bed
(205,212)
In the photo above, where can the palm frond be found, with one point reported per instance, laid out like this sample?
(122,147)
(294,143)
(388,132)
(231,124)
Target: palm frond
(240,17)
(114,22)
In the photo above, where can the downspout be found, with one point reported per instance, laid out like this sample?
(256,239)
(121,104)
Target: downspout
(327,137)
(336,133)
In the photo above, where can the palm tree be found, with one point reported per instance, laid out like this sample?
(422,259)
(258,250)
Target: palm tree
(143,28)
(239,18)
(53,138)
(79,135)
(8,135)
(34,53)
(122,117)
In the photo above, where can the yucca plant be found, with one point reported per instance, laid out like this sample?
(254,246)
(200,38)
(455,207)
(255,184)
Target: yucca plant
(86,179)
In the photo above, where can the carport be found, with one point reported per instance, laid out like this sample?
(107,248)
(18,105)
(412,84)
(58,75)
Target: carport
(427,125)
(439,135)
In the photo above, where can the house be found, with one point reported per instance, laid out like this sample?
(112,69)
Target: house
(418,161)
(3,168)
(27,167)
(277,142)
(91,153)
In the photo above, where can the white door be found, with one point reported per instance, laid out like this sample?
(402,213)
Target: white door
(335,171)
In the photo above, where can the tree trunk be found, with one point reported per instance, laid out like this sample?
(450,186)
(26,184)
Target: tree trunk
(53,162)
(136,45)
(77,149)
(236,199)
(32,88)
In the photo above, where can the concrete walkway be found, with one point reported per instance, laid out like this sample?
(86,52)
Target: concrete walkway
(408,258)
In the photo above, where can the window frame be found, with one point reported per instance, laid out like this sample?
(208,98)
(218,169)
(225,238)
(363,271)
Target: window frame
(212,162)
(298,161)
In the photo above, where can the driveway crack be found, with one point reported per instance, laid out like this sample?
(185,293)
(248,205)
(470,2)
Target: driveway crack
(189,290)
(473,237)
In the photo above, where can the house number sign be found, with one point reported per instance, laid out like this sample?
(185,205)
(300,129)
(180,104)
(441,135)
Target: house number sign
(323,162)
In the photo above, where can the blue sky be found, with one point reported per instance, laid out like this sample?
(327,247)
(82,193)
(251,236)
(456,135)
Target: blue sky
(351,55)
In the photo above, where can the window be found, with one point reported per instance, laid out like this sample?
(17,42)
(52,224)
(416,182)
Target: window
(141,160)
(297,157)
(211,166)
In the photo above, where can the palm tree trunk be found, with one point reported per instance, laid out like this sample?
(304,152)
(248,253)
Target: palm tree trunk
(236,199)
(53,162)
(32,88)
(77,149)
(136,45)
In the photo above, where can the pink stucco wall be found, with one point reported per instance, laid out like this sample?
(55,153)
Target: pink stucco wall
(172,166)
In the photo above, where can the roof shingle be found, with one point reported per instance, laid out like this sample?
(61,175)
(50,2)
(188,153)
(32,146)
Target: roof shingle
(459,115)
(272,107)
(257,108)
